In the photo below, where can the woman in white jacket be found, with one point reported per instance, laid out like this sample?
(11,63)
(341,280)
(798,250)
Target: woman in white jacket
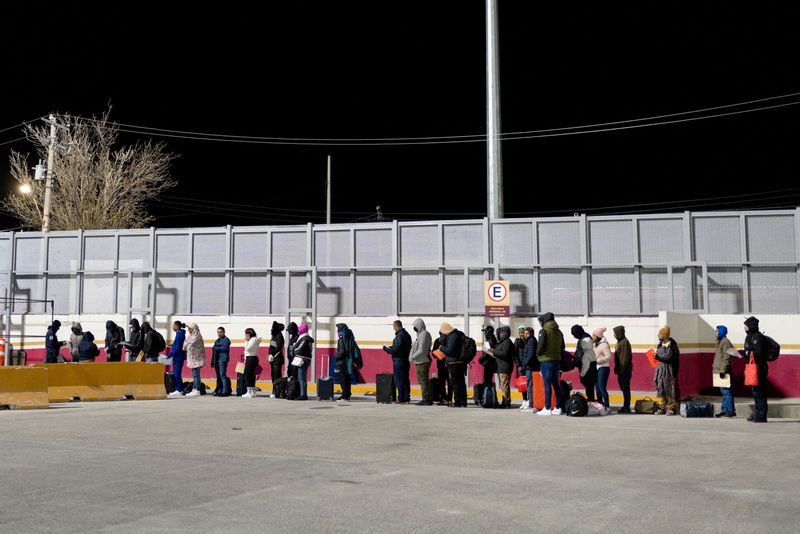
(603,354)
(251,343)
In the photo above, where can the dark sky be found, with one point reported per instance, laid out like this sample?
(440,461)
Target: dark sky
(410,69)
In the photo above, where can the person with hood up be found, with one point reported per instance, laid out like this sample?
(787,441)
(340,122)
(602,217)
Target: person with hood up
(519,350)
(276,344)
(52,345)
(420,356)
(399,351)
(348,356)
(220,356)
(453,347)
(443,377)
(136,342)
(87,350)
(722,366)
(530,363)
(294,333)
(503,353)
(584,352)
(178,356)
(251,343)
(115,335)
(602,353)
(549,351)
(623,367)
(488,362)
(663,376)
(303,348)
(150,343)
(195,356)
(75,339)
(755,344)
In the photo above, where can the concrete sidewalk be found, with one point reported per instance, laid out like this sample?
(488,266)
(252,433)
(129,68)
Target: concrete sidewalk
(268,465)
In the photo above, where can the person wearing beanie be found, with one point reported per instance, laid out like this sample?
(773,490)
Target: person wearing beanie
(452,348)
(663,376)
(602,353)
(115,335)
(549,350)
(75,339)
(584,353)
(756,346)
(294,333)
(623,367)
(303,348)
(722,366)
(275,357)
(52,345)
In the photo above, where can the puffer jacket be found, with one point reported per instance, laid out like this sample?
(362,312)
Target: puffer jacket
(276,343)
(75,338)
(602,353)
(551,340)
(87,350)
(504,351)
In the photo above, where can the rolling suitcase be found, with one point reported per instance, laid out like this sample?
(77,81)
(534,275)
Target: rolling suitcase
(325,384)
(384,388)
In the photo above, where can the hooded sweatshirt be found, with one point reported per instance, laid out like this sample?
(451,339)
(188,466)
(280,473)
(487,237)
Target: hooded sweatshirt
(623,358)
(195,348)
(722,360)
(276,343)
(51,343)
(75,339)
(136,341)
(347,351)
(551,340)
(149,341)
(87,350)
(114,336)
(504,351)
(421,349)
(584,348)
(754,342)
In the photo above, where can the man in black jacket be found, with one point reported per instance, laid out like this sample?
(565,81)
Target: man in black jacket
(52,345)
(276,344)
(452,349)
(150,343)
(486,360)
(399,351)
(519,349)
(504,355)
(755,344)
(115,335)
(136,341)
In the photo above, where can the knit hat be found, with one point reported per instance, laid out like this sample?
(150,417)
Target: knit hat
(664,333)
(302,329)
(520,328)
(599,332)
(446,329)
(752,324)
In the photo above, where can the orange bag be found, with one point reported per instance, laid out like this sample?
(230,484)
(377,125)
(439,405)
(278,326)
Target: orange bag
(538,392)
(439,354)
(651,357)
(751,373)
(522,384)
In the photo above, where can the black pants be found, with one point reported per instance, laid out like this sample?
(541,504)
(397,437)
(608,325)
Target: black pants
(458,383)
(444,384)
(114,355)
(760,394)
(277,374)
(250,370)
(345,382)
(488,375)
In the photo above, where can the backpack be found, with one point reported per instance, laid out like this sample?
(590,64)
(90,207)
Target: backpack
(773,348)
(577,406)
(697,409)
(160,344)
(468,350)
(292,388)
(489,397)
(567,362)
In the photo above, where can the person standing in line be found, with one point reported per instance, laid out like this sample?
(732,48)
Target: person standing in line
(531,364)
(115,335)
(453,347)
(623,367)
(303,348)
(75,339)
(399,351)
(755,344)
(195,356)
(276,344)
(722,366)
(294,333)
(443,376)
(488,362)
(251,343)
(348,356)
(52,345)
(150,343)
(420,356)
(584,352)
(136,342)
(549,351)
(603,355)
(663,377)
(178,356)
(87,350)
(220,356)
(519,351)
(504,354)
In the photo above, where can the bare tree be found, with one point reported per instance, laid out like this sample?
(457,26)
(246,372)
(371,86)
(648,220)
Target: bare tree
(97,184)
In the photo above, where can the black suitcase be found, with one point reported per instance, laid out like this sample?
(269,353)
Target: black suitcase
(489,397)
(384,388)
(279,388)
(325,384)
(477,394)
(169,382)
(697,409)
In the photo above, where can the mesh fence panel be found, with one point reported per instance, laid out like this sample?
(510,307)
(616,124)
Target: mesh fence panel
(373,293)
(559,243)
(141,288)
(717,239)
(171,292)
(374,248)
(420,292)
(98,293)
(661,240)
(687,288)
(250,294)
(655,290)
(419,245)
(463,244)
(771,238)
(209,251)
(332,249)
(560,291)
(773,289)
(172,251)
(333,293)
(250,250)
(98,253)
(725,290)
(30,254)
(512,243)
(521,287)
(288,249)
(611,242)
(613,291)
(134,251)
(26,289)
(454,291)
(63,254)
(208,294)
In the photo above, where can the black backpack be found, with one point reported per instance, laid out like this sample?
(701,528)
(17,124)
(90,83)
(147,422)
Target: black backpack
(468,350)
(773,348)
(577,406)
(292,388)
(489,397)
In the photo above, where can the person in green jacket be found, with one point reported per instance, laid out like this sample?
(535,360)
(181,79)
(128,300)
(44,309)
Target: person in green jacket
(551,346)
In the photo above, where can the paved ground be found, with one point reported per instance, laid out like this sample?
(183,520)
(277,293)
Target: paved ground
(266,465)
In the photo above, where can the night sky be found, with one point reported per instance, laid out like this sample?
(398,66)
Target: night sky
(414,69)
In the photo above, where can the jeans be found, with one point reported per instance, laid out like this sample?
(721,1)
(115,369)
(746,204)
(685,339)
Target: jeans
(550,377)
(727,401)
(401,369)
(760,394)
(223,382)
(196,377)
(625,385)
(302,377)
(529,376)
(458,383)
(177,372)
(423,371)
(602,385)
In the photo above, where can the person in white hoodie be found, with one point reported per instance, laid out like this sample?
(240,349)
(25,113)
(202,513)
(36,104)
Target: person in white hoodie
(251,343)
(602,353)
(420,356)
(584,351)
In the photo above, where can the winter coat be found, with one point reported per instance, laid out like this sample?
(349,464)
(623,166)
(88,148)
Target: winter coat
(754,342)
(664,375)
(551,340)
(489,364)
(75,338)
(674,358)
(149,345)
(176,350)
(114,336)
(504,353)
(602,352)
(136,342)
(277,343)
(347,351)
(251,347)
(303,347)
(453,346)
(529,359)
(401,346)
(421,349)
(87,350)
(195,349)
(722,360)
(623,357)
(221,351)
(519,349)
(52,345)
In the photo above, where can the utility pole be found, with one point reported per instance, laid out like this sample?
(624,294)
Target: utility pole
(51,148)
(494,163)
(328,184)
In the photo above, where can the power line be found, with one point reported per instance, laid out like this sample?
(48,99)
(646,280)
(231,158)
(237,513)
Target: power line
(23,123)
(13,140)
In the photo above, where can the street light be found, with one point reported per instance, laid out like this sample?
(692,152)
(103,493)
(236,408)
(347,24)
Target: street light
(25,189)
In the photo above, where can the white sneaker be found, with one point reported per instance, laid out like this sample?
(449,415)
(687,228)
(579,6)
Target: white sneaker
(176,394)
(193,393)
(527,410)
(524,406)
(272,396)
(556,411)
(249,395)
(543,412)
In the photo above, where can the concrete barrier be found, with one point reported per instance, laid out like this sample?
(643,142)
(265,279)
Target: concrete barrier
(23,388)
(104,381)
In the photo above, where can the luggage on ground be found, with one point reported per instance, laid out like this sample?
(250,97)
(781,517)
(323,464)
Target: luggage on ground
(384,388)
